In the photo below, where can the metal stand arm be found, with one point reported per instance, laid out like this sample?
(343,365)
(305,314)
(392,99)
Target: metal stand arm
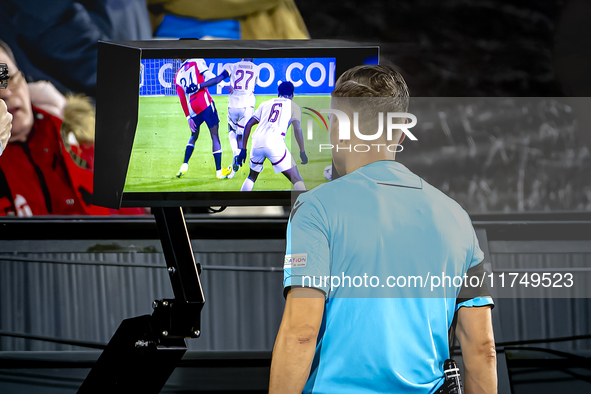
(145,350)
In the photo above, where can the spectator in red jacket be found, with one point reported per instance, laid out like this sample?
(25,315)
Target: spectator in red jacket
(40,173)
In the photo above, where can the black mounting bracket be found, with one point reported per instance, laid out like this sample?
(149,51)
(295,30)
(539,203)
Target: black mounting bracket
(145,350)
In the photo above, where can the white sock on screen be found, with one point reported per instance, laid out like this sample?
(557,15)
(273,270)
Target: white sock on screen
(299,186)
(233,143)
(247,185)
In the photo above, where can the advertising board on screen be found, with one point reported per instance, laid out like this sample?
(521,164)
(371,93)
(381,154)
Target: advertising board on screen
(168,155)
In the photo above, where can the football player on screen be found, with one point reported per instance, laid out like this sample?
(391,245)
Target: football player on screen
(244,76)
(198,107)
(268,142)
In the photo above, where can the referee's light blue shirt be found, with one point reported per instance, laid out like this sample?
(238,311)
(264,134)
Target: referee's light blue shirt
(380,335)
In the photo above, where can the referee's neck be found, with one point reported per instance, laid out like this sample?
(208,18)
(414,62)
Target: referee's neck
(357,160)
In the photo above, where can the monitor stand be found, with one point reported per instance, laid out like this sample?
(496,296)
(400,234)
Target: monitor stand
(145,350)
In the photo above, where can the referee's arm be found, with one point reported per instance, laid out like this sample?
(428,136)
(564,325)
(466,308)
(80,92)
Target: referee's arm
(296,340)
(475,334)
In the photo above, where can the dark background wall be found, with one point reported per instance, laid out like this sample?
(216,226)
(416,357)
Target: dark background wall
(463,47)
(501,155)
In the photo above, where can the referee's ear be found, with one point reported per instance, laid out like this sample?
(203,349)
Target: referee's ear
(403,133)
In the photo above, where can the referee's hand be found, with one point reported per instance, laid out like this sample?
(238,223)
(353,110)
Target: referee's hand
(304,157)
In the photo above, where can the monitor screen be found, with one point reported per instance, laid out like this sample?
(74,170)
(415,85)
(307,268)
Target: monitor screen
(163,131)
(162,139)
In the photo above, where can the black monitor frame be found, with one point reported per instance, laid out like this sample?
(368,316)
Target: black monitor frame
(117,109)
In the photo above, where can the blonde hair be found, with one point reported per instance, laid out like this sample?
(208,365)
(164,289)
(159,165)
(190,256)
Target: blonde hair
(79,118)
(370,90)
(371,81)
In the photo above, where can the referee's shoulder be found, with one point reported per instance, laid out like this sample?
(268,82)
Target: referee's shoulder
(326,194)
(443,200)
(313,193)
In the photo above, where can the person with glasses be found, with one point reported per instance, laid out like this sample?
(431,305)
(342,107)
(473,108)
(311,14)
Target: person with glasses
(39,172)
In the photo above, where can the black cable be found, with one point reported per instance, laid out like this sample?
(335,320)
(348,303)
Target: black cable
(500,346)
(238,268)
(72,342)
(549,340)
(222,209)
(75,262)
(555,352)
(131,265)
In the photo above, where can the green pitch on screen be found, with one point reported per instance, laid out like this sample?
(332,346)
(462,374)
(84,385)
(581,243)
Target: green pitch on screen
(162,135)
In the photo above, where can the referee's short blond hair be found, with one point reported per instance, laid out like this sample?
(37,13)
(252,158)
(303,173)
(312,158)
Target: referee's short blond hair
(371,81)
(371,89)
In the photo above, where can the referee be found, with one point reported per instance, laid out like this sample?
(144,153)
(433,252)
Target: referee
(350,324)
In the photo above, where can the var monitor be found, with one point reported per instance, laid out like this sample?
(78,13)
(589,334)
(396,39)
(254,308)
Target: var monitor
(199,123)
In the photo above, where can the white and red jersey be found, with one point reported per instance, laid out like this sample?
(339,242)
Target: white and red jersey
(243,79)
(275,117)
(192,72)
